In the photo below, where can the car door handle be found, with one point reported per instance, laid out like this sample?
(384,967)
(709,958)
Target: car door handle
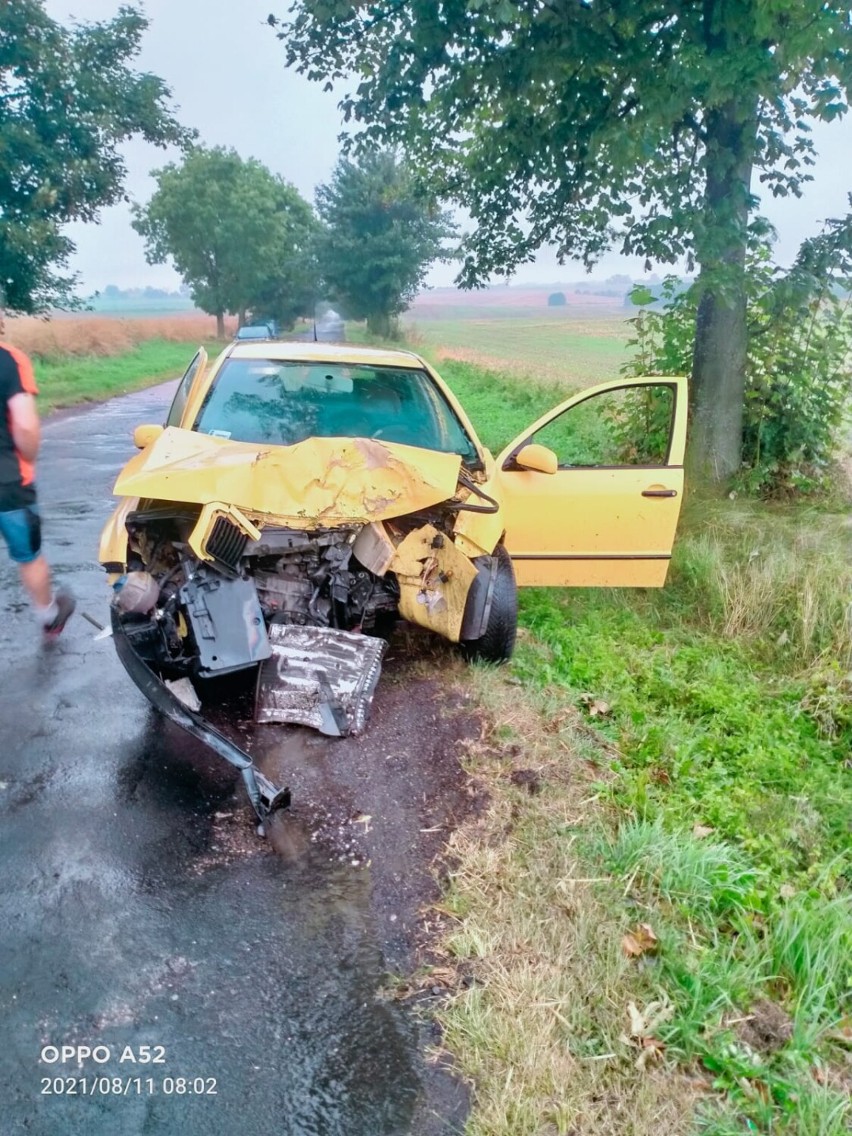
(659,493)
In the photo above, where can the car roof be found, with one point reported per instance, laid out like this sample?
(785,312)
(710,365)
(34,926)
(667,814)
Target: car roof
(310,352)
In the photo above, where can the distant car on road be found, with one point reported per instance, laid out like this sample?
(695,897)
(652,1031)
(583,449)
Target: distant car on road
(255,331)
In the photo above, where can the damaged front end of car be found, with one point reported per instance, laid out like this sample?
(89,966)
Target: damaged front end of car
(292,564)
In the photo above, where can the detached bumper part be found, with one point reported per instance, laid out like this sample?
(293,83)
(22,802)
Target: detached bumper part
(319,677)
(265,797)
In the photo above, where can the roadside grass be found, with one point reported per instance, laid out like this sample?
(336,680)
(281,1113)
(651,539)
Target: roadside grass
(70,380)
(715,809)
(538,1015)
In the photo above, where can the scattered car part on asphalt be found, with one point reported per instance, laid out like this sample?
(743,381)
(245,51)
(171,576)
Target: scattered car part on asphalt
(319,677)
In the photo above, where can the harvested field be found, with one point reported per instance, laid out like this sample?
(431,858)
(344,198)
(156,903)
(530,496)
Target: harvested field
(93,335)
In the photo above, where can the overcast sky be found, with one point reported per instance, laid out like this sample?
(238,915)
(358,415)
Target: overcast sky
(226,72)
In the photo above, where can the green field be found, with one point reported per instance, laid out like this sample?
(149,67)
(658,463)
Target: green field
(575,350)
(129,307)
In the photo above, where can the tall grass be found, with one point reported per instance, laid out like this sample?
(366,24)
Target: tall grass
(73,379)
(782,578)
(705,877)
(811,949)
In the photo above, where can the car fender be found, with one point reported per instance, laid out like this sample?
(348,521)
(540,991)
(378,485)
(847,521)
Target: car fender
(112,553)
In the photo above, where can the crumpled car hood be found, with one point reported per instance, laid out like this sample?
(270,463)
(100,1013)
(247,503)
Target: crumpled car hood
(321,481)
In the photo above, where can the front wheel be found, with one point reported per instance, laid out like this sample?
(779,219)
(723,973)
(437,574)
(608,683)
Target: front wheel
(497,642)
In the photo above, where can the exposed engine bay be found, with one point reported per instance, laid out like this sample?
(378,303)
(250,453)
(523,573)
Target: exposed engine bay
(207,593)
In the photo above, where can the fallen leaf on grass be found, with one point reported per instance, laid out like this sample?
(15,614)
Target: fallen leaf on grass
(640,941)
(637,1021)
(754,1089)
(644,1023)
(641,1036)
(843,1032)
(440,976)
(652,1051)
(559,720)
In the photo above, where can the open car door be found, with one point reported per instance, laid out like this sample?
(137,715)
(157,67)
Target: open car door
(592,490)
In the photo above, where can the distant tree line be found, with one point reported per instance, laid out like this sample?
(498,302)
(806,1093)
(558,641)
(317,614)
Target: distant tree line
(113,292)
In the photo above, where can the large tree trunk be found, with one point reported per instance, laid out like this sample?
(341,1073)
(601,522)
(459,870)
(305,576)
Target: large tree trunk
(379,323)
(719,360)
(220,325)
(718,384)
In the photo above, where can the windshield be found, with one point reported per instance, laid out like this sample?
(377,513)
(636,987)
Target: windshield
(279,403)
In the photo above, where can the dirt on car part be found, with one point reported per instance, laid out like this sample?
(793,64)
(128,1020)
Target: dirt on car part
(384,804)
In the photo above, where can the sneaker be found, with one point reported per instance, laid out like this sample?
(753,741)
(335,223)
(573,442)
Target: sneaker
(66,603)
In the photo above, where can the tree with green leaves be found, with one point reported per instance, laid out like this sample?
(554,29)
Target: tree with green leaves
(241,237)
(645,125)
(68,99)
(797,366)
(380,236)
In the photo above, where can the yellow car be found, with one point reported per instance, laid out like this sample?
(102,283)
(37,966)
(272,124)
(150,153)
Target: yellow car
(303,496)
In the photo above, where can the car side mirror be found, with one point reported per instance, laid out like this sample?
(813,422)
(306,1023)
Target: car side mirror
(537,458)
(145,435)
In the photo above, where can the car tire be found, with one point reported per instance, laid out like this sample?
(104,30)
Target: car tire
(384,625)
(497,642)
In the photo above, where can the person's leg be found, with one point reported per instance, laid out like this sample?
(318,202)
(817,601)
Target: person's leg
(21,529)
(35,576)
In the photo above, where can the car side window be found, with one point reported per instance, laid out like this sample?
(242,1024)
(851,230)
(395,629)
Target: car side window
(628,426)
(182,393)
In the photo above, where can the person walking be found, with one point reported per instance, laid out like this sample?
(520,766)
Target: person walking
(20,523)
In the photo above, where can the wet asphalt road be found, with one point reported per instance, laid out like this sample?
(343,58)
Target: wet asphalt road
(121,923)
